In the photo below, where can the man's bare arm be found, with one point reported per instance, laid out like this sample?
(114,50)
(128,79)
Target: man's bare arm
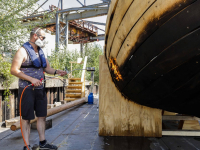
(50,70)
(18,59)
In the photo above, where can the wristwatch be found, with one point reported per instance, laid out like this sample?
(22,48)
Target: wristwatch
(55,72)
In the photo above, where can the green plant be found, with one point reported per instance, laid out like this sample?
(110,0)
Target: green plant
(93,51)
(60,59)
(14,30)
(6,77)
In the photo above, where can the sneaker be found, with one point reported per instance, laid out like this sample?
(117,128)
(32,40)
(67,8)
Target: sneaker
(48,146)
(25,148)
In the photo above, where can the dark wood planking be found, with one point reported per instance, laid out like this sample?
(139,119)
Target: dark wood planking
(169,63)
(178,143)
(158,144)
(185,100)
(155,44)
(176,87)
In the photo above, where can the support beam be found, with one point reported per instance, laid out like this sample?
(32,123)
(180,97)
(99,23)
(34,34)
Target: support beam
(80,2)
(99,37)
(87,14)
(81,8)
(89,7)
(98,23)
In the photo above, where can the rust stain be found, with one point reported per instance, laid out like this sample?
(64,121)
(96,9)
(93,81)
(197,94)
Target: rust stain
(115,69)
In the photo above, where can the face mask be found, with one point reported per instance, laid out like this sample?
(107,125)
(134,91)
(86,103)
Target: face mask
(40,43)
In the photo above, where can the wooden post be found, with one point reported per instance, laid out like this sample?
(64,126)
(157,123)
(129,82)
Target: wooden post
(12,104)
(61,93)
(52,97)
(16,103)
(121,117)
(48,96)
(1,106)
(55,94)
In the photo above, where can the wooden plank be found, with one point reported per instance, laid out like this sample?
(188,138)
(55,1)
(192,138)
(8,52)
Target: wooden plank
(191,125)
(72,79)
(70,99)
(147,24)
(120,117)
(138,8)
(154,45)
(73,95)
(74,91)
(121,9)
(179,118)
(181,133)
(110,14)
(75,82)
(83,87)
(167,113)
(74,87)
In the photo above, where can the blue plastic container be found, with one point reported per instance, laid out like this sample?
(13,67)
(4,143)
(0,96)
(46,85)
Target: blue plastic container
(90,98)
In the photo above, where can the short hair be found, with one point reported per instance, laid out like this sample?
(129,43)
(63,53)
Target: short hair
(35,31)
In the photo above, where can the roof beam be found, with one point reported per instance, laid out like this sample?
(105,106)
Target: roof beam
(99,37)
(86,14)
(98,23)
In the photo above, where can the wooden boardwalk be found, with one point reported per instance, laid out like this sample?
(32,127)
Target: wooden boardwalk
(77,129)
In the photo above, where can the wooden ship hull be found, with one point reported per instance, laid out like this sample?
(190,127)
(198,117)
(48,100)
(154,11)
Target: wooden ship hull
(152,50)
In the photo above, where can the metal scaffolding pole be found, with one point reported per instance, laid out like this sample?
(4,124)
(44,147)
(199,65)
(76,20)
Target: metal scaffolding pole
(57,31)
(81,49)
(61,4)
(66,34)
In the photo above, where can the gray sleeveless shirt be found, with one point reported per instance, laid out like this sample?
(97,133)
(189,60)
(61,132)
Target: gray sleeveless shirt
(33,72)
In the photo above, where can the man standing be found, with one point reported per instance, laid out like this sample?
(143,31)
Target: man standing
(28,65)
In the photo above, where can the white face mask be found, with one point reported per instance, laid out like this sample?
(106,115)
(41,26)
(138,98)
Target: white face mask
(40,43)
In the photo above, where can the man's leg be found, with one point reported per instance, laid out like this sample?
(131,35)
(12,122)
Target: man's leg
(41,127)
(41,110)
(26,130)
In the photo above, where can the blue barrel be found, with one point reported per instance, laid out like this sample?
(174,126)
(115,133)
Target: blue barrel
(90,98)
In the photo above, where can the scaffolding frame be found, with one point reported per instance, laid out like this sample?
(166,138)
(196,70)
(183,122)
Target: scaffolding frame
(64,16)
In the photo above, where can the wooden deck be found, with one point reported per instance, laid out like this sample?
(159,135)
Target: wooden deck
(77,129)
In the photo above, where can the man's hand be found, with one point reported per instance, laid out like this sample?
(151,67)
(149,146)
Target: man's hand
(36,82)
(61,73)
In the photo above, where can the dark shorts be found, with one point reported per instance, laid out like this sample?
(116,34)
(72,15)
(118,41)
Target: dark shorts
(33,100)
